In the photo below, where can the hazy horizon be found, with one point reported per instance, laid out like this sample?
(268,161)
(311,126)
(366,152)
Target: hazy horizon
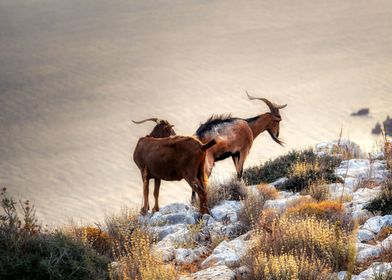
(74,74)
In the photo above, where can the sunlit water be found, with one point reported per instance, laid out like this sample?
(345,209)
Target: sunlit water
(74,73)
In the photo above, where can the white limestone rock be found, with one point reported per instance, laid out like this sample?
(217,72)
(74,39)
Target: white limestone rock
(387,242)
(365,235)
(161,232)
(188,256)
(220,272)
(335,147)
(362,169)
(366,251)
(364,195)
(342,275)
(336,190)
(375,224)
(376,269)
(227,211)
(229,253)
(282,203)
(279,182)
(172,214)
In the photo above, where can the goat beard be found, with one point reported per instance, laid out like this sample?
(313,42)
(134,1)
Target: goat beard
(276,139)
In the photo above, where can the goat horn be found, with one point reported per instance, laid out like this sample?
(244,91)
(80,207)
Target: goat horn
(151,119)
(273,107)
(280,106)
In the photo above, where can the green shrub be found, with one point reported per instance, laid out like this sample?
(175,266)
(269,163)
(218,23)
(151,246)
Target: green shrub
(29,253)
(383,202)
(48,256)
(283,167)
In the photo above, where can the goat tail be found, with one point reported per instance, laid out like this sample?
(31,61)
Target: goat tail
(208,145)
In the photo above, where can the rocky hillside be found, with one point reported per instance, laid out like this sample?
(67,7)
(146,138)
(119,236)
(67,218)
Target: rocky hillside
(314,214)
(218,246)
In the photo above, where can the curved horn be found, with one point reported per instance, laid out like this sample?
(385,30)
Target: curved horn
(151,119)
(280,106)
(273,107)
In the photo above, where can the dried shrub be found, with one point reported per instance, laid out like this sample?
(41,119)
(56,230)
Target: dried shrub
(289,266)
(93,237)
(301,248)
(327,210)
(384,233)
(267,192)
(386,254)
(319,191)
(132,251)
(254,204)
(218,192)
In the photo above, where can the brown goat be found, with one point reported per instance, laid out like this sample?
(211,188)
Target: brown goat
(172,159)
(162,129)
(237,135)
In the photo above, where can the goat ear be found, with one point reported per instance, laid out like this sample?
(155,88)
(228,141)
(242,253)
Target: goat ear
(276,118)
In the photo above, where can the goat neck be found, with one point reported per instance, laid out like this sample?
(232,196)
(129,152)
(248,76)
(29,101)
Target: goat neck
(260,124)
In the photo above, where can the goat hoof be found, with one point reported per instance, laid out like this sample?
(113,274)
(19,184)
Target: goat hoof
(143,211)
(155,209)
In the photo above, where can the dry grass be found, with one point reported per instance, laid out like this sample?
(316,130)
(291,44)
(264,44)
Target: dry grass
(91,236)
(300,248)
(319,191)
(386,254)
(254,204)
(132,250)
(327,210)
(217,192)
(384,233)
(267,191)
(387,149)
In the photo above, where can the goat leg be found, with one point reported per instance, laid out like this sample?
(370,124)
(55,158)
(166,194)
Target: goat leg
(146,206)
(156,194)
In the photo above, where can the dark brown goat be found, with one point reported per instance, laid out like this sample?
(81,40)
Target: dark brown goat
(172,159)
(237,135)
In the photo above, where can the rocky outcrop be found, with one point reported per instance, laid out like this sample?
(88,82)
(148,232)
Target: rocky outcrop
(226,211)
(376,270)
(185,237)
(354,170)
(375,224)
(220,272)
(281,204)
(336,148)
(229,253)
(367,232)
